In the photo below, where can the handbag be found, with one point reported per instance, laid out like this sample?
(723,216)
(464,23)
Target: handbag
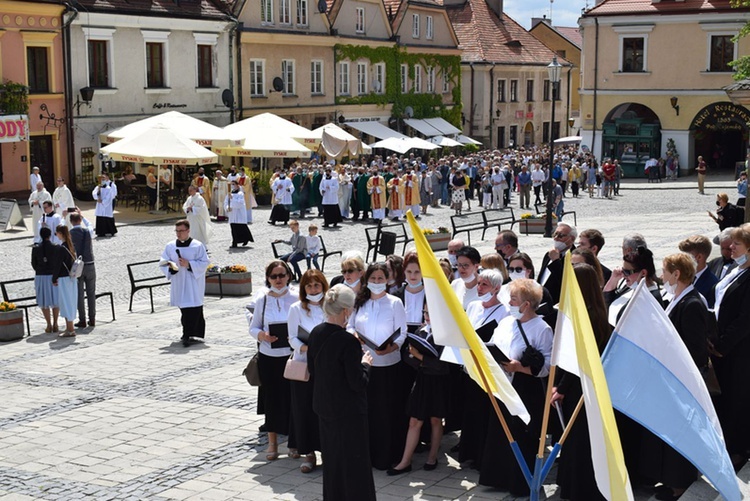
(296,371)
(531,357)
(76,269)
(252,372)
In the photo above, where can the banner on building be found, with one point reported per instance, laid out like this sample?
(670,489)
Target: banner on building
(14,128)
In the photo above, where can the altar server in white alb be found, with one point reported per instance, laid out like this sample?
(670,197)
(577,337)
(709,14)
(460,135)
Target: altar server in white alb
(234,206)
(63,199)
(50,219)
(34,178)
(104,195)
(184,263)
(196,212)
(37,198)
(329,188)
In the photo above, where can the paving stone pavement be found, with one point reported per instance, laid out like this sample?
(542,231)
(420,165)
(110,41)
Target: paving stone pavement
(123,411)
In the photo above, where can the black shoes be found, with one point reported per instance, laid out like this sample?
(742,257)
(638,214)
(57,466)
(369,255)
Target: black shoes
(81,324)
(430,466)
(186,342)
(393,471)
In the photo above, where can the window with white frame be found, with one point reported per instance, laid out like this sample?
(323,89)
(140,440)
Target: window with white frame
(633,47)
(302,13)
(285,11)
(287,75)
(361,78)
(501,91)
(206,52)
(404,78)
(428,33)
(157,62)
(100,61)
(430,80)
(344,89)
(266,11)
(360,22)
(417,79)
(446,82)
(513,91)
(721,52)
(316,77)
(257,77)
(378,78)
(415,25)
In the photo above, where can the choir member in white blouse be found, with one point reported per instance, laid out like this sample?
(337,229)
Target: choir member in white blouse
(271,312)
(467,264)
(411,292)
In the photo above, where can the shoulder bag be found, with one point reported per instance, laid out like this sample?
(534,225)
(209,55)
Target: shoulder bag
(251,372)
(531,357)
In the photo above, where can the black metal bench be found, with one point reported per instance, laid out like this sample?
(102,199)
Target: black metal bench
(466,223)
(374,236)
(22,293)
(145,275)
(499,218)
(323,255)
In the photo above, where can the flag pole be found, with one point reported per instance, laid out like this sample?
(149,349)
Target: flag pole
(572,420)
(545,416)
(513,445)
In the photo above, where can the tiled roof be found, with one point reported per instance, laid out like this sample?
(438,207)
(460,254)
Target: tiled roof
(573,35)
(483,37)
(167,8)
(630,7)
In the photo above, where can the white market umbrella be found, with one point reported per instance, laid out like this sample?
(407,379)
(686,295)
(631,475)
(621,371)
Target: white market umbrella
(404,144)
(268,123)
(466,140)
(203,133)
(159,145)
(444,141)
(568,140)
(266,145)
(336,142)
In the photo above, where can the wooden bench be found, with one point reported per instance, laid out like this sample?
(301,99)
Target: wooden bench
(323,255)
(484,220)
(22,293)
(374,233)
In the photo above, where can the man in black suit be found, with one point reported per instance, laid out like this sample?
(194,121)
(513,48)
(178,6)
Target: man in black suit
(723,264)
(82,242)
(594,241)
(550,273)
(506,244)
(704,282)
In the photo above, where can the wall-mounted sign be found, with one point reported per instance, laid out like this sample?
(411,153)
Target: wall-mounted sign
(519,114)
(161,106)
(14,128)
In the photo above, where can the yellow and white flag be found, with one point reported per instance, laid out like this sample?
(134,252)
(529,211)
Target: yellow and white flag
(575,350)
(451,328)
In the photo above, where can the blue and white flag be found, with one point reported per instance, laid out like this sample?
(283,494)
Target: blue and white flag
(653,380)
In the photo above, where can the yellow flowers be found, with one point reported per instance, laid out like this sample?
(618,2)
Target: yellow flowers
(6,306)
(235,268)
(441,229)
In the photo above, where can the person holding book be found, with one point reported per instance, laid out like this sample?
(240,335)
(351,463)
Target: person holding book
(304,316)
(526,340)
(379,321)
(428,398)
(485,314)
(269,327)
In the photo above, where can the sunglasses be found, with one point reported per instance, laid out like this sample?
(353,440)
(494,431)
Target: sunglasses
(277,276)
(627,273)
(519,269)
(560,235)
(352,270)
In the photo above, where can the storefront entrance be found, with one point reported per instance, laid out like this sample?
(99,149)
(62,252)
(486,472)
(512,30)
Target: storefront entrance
(42,156)
(720,133)
(632,135)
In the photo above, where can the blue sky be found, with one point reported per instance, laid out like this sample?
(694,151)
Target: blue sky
(564,12)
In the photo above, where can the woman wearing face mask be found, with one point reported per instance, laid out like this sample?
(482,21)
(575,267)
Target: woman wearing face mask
(329,189)
(521,266)
(467,266)
(635,266)
(339,373)
(731,353)
(411,293)
(307,313)
(395,265)
(485,313)
(521,329)
(690,317)
(352,271)
(271,312)
(377,315)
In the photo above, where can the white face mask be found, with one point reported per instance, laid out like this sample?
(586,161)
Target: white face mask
(469,279)
(281,290)
(453,260)
(741,260)
(560,246)
(516,275)
(485,297)
(515,312)
(391,281)
(669,288)
(414,284)
(352,284)
(315,298)
(376,288)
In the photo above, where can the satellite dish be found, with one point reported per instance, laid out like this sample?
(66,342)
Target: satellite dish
(227,98)
(409,112)
(322,6)
(278,84)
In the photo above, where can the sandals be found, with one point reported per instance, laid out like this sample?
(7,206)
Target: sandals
(272,454)
(309,464)
(48,330)
(55,328)
(67,334)
(294,454)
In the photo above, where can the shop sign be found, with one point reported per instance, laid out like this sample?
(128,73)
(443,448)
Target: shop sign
(14,128)
(722,116)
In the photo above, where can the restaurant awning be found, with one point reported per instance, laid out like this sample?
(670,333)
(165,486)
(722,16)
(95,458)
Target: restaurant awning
(444,141)
(375,129)
(443,126)
(467,140)
(422,127)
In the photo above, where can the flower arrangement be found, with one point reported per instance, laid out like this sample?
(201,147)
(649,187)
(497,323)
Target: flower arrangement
(6,306)
(441,229)
(529,215)
(235,268)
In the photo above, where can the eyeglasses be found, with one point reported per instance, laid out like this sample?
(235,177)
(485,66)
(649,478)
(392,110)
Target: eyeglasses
(627,273)
(351,270)
(557,234)
(277,276)
(464,266)
(518,269)
(180,231)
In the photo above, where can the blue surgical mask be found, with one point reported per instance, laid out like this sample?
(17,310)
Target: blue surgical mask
(741,260)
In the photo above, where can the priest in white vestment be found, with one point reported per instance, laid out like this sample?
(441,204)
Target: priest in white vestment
(220,189)
(104,195)
(35,178)
(184,263)
(246,186)
(37,198)
(63,198)
(197,214)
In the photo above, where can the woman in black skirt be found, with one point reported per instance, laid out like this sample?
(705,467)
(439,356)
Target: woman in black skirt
(428,398)
(269,328)
(340,372)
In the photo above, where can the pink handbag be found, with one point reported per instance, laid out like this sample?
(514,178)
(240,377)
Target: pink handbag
(296,371)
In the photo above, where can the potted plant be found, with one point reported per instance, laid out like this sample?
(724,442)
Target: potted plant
(235,280)
(535,223)
(11,322)
(438,239)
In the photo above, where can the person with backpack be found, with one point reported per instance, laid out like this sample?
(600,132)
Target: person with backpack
(83,243)
(65,279)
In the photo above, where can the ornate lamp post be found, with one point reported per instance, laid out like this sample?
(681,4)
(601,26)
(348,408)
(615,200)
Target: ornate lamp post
(553,70)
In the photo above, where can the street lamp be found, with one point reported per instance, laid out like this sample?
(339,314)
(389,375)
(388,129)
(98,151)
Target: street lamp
(553,70)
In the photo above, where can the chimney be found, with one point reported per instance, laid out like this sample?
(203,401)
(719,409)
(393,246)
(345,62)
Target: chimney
(496,6)
(537,20)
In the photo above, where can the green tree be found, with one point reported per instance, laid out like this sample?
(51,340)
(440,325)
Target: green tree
(741,65)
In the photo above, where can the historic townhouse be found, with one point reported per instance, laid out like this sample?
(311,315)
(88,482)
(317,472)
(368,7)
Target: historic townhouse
(653,80)
(507,95)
